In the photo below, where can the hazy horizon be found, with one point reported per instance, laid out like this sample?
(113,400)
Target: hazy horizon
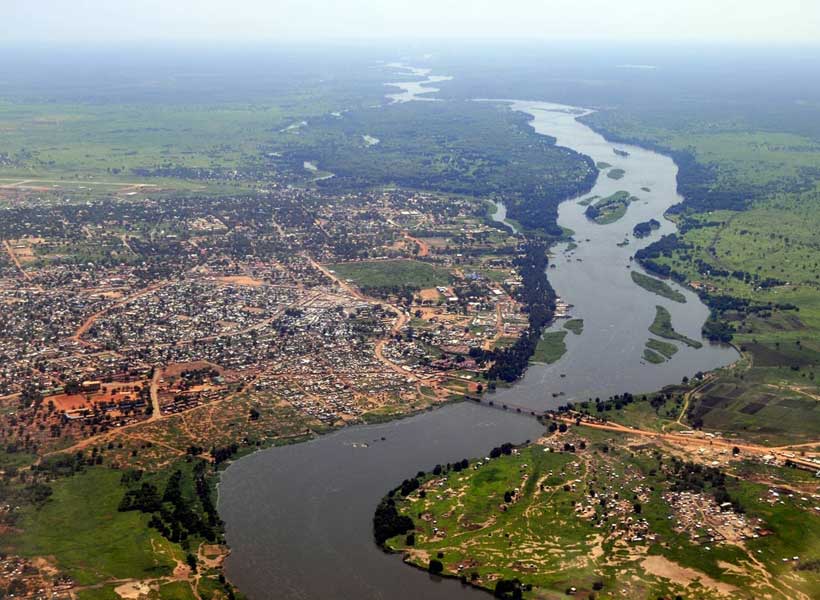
(793,22)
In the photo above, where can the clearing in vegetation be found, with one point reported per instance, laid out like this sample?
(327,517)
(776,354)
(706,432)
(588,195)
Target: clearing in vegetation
(411,274)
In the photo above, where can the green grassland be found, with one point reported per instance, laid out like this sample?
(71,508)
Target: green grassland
(90,539)
(86,532)
(550,348)
(515,517)
(741,154)
(656,286)
(774,239)
(118,121)
(392,273)
(662,327)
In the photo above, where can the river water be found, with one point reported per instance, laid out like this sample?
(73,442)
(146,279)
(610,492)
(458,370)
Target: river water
(415,90)
(299,518)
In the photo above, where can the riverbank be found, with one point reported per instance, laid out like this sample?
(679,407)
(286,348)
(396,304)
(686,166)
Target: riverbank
(591,509)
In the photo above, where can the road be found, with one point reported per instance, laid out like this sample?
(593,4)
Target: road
(155,413)
(15,260)
(780,452)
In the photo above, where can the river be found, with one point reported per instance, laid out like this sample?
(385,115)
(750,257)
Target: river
(595,279)
(415,90)
(299,518)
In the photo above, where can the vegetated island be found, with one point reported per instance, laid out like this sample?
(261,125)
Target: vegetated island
(579,494)
(656,286)
(623,153)
(603,166)
(662,327)
(645,228)
(616,174)
(588,201)
(576,326)
(550,347)
(609,209)
(653,357)
(646,189)
(658,351)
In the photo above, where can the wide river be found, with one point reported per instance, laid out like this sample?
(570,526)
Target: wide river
(299,518)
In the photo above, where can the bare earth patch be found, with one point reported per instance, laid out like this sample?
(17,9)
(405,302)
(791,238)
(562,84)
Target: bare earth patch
(661,566)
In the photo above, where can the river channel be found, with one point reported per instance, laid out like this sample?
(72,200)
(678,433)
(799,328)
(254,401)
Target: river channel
(299,518)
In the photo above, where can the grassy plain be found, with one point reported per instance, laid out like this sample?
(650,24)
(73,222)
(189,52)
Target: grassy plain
(90,539)
(388,273)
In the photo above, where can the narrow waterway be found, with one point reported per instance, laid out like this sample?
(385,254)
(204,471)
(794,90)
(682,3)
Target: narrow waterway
(299,518)
(417,90)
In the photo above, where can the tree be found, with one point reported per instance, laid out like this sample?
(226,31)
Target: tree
(508,589)
(435,567)
(735,451)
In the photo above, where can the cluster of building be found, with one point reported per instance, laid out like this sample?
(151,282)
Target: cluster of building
(706,522)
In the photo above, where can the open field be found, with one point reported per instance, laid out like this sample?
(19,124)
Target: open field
(392,273)
(90,540)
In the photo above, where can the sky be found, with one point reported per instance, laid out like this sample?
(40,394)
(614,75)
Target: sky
(709,21)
